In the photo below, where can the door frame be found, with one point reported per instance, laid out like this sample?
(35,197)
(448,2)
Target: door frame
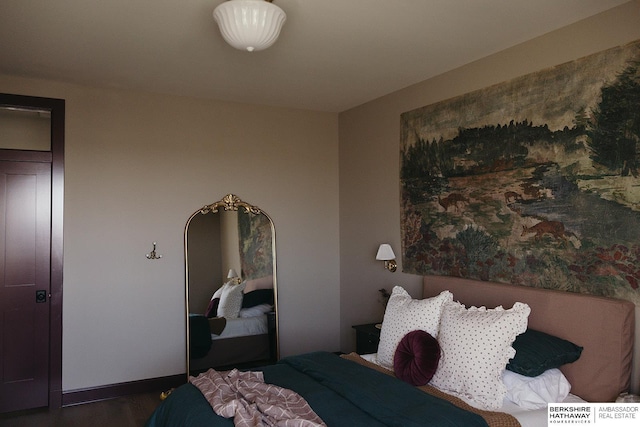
(56,158)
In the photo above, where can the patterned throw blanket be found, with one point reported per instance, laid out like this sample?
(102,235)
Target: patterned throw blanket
(493,419)
(245,397)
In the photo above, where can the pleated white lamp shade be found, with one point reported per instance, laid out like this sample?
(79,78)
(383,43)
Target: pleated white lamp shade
(250,25)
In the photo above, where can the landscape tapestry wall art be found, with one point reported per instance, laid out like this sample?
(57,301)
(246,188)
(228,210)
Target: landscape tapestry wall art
(256,256)
(533,182)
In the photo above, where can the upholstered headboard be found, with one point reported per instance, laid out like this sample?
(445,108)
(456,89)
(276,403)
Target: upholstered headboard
(603,326)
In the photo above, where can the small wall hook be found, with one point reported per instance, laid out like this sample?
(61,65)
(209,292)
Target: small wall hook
(152,254)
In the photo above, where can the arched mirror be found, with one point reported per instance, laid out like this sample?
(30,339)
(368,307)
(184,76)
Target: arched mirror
(231,292)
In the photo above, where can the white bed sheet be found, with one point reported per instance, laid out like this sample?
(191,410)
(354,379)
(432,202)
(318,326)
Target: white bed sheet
(532,418)
(526,417)
(243,326)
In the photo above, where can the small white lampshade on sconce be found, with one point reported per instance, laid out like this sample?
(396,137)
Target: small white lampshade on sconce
(232,275)
(385,253)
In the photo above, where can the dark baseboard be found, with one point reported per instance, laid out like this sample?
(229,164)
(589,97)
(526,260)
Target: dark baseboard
(76,397)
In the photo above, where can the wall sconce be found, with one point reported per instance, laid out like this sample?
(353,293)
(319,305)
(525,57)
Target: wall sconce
(233,276)
(153,254)
(385,253)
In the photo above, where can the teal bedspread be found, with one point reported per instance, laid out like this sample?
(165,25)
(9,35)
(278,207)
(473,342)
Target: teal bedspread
(341,392)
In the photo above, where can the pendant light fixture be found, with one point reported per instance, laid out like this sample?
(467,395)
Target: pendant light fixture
(249,24)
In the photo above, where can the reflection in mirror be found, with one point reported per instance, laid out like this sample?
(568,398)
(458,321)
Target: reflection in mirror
(231,292)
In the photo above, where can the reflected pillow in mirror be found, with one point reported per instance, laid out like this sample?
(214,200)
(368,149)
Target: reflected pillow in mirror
(257,310)
(257,297)
(230,300)
(212,308)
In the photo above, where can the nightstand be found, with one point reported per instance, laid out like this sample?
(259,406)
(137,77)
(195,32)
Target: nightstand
(367,338)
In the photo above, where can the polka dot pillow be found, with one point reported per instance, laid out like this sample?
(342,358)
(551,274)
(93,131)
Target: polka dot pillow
(476,347)
(230,300)
(405,314)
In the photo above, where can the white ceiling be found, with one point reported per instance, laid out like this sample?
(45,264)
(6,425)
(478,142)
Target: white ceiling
(332,54)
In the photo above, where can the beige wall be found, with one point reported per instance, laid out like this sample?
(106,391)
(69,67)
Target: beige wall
(137,166)
(369,154)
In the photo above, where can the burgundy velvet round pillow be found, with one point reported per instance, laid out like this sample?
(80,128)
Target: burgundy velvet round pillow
(416,358)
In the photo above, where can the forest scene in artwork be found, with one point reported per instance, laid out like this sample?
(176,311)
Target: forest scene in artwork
(256,256)
(533,182)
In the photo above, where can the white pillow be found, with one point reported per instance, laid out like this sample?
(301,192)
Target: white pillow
(255,311)
(217,293)
(536,392)
(403,315)
(230,300)
(476,347)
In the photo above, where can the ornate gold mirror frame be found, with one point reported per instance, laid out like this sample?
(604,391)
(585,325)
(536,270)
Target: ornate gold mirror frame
(193,248)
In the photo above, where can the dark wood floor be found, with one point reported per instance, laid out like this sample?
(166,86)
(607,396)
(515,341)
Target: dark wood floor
(129,411)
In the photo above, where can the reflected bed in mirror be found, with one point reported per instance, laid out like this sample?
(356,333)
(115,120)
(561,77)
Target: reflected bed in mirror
(231,290)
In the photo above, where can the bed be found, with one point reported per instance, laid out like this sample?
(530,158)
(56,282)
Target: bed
(604,327)
(246,337)
(243,340)
(349,390)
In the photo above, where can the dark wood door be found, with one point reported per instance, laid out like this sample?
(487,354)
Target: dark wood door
(25,244)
